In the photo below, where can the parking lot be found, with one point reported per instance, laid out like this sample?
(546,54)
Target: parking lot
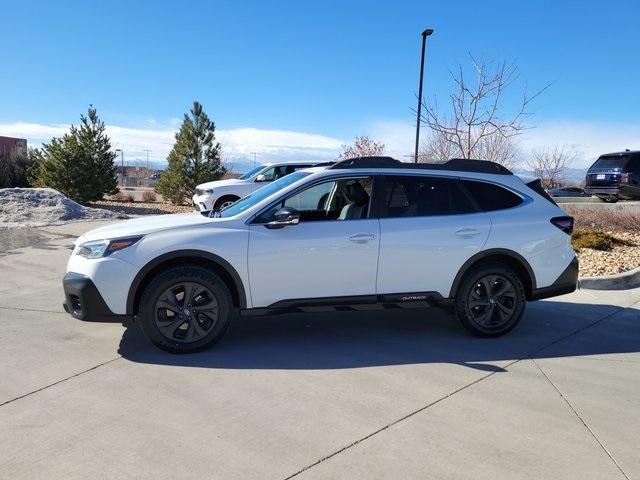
(384,394)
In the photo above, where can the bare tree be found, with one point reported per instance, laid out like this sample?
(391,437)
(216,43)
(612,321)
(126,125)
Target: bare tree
(550,163)
(362,147)
(500,149)
(496,148)
(477,125)
(436,149)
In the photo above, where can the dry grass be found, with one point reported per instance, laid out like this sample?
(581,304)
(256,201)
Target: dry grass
(604,219)
(121,197)
(597,240)
(149,197)
(116,197)
(140,208)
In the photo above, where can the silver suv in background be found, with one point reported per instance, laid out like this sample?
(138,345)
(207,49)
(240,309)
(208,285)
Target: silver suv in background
(222,193)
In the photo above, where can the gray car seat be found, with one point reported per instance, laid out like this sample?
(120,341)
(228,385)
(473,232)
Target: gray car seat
(357,202)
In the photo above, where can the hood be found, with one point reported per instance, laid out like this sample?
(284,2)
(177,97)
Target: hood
(145,225)
(220,183)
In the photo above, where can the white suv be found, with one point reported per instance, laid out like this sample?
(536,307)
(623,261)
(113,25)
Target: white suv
(222,193)
(369,231)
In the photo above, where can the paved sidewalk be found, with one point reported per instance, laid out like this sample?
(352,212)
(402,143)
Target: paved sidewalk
(386,394)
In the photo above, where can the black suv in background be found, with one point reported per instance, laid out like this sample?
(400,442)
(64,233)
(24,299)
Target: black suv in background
(614,176)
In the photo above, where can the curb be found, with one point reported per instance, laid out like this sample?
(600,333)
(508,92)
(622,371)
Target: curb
(619,281)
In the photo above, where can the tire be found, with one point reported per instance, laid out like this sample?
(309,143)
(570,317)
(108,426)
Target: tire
(224,202)
(484,315)
(607,199)
(191,323)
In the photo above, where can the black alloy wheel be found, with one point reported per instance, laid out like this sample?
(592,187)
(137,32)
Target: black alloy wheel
(185,309)
(490,300)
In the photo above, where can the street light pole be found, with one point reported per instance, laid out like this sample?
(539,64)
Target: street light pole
(425,34)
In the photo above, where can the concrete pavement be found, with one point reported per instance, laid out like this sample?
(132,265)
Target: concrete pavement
(385,394)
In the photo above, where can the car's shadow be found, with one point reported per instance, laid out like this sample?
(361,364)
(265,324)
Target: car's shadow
(397,337)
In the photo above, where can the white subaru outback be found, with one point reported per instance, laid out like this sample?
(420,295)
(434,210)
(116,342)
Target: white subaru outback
(220,194)
(368,231)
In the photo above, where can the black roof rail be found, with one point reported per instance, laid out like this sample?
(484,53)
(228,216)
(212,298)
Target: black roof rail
(479,166)
(457,164)
(368,162)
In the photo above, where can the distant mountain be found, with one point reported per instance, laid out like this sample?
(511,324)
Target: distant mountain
(237,165)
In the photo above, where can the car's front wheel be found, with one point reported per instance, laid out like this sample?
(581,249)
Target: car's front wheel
(490,300)
(225,201)
(185,309)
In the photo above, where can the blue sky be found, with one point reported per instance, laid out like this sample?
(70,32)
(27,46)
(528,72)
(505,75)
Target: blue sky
(299,78)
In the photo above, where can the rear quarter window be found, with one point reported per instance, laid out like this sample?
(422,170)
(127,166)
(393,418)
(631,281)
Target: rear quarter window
(490,197)
(617,161)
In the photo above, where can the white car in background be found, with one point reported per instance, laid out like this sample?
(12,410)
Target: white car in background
(222,193)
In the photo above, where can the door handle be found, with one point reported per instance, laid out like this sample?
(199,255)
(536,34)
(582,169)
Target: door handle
(362,237)
(467,232)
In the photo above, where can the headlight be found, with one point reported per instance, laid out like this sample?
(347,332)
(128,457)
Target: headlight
(208,191)
(104,248)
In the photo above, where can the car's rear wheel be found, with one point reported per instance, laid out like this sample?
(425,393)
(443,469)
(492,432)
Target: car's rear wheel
(608,198)
(490,300)
(224,202)
(185,309)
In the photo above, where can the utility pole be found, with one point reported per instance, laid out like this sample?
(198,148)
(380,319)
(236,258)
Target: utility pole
(254,158)
(122,165)
(425,34)
(147,150)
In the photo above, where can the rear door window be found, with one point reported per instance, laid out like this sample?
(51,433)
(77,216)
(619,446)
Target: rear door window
(419,196)
(491,197)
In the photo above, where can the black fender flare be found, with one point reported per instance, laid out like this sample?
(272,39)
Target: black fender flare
(221,262)
(488,253)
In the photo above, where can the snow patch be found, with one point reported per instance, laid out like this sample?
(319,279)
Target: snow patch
(37,207)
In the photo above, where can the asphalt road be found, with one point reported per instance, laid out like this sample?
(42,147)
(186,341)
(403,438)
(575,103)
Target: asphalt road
(386,394)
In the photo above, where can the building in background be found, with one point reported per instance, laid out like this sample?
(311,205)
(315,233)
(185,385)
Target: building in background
(10,145)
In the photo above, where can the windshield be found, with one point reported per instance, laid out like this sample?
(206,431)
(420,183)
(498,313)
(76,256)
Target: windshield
(251,172)
(262,193)
(611,162)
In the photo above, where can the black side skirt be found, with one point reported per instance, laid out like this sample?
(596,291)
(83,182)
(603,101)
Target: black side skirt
(352,303)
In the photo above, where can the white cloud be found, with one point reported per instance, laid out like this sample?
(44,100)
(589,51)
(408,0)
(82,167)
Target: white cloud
(237,143)
(399,137)
(591,138)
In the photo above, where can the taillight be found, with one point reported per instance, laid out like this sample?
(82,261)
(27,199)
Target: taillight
(563,223)
(624,178)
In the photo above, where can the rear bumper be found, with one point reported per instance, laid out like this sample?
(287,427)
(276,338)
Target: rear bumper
(84,302)
(567,282)
(625,190)
(613,190)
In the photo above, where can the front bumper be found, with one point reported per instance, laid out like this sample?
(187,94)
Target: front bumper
(567,282)
(203,203)
(84,302)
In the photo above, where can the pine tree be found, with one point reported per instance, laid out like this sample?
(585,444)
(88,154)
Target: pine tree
(194,158)
(80,164)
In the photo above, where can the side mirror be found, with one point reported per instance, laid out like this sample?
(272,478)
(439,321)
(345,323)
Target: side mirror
(261,178)
(283,217)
